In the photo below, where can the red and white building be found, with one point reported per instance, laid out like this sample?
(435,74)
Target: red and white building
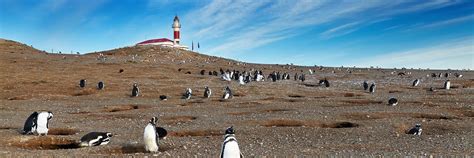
(165,41)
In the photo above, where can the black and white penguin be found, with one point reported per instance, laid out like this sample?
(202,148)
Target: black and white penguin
(135,90)
(372,88)
(37,123)
(415,130)
(188,93)
(100,85)
(416,82)
(207,92)
(447,85)
(82,83)
(366,85)
(392,101)
(152,134)
(227,93)
(95,139)
(326,82)
(163,97)
(230,147)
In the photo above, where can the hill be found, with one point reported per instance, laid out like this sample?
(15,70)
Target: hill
(282,118)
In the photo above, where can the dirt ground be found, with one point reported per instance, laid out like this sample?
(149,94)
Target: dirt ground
(283,118)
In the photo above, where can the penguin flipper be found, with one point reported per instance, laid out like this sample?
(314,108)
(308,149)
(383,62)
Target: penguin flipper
(161,132)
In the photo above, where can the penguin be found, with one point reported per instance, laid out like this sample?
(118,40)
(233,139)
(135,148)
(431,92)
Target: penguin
(100,85)
(392,101)
(416,82)
(207,92)
(82,83)
(227,93)
(42,123)
(326,82)
(152,134)
(135,90)
(241,80)
(415,130)
(163,97)
(447,85)
(30,123)
(372,88)
(203,72)
(230,147)
(366,85)
(188,93)
(95,139)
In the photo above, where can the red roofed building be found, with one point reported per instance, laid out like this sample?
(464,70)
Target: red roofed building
(167,42)
(159,41)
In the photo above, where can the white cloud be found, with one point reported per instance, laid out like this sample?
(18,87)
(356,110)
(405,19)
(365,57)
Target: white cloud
(448,22)
(243,25)
(340,30)
(453,54)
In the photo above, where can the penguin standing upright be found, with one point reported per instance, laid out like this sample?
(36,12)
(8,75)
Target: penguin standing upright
(392,101)
(366,85)
(152,134)
(447,85)
(188,93)
(416,82)
(241,80)
(82,83)
(415,130)
(372,88)
(207,92)
(135,90)
(230,147)
(42,123)
(227,93)
(95,139)
(100,85)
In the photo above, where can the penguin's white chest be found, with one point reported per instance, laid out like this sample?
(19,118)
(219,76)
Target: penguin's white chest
(42,124)
(149,138)
(231,150)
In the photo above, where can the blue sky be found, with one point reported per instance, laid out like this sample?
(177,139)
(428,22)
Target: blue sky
(435,34)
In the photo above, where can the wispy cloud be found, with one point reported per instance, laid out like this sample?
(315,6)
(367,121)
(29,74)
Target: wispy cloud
(243,25)
(457,53)
(447,22)
(340,30)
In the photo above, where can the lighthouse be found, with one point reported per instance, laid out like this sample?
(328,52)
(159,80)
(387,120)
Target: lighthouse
(176,26)
(165,42)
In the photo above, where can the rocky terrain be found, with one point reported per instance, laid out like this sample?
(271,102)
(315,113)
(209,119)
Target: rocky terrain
(283,118)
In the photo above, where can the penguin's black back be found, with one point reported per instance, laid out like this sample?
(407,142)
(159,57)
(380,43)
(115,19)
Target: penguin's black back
(30,122)
(93,135)
(161,132)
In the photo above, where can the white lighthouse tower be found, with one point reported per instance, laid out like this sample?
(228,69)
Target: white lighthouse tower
(176,26)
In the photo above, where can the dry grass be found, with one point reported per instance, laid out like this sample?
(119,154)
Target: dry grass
(43,143)
(196,133)
(362,101)
(87,91)
(62,131)
(284,123)
(133,148)
(178,119)
(117,108)
(307,123)
(295,96)
(382,115)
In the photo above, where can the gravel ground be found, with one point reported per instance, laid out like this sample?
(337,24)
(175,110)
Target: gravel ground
(283,118)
